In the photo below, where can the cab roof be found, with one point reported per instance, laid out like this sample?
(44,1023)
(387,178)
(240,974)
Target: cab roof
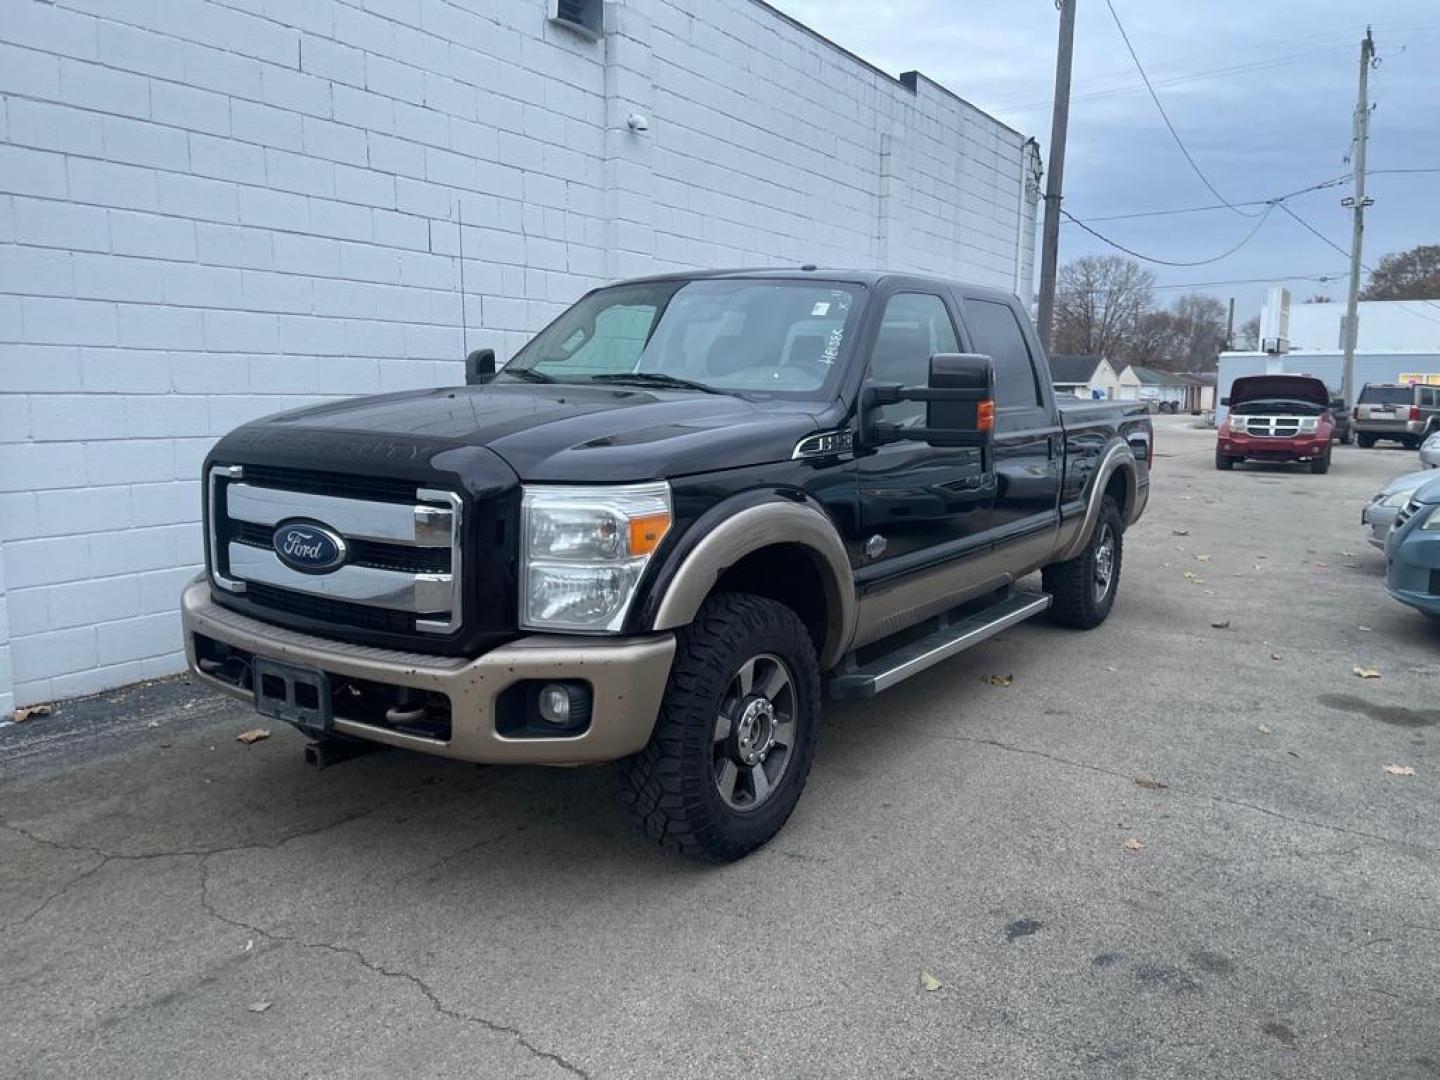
(868,278)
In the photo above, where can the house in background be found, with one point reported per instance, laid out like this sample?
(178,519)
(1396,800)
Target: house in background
(1148,384)
(1084,376)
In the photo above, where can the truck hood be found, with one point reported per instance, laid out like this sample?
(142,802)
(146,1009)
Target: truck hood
(1283,387)
(559,433)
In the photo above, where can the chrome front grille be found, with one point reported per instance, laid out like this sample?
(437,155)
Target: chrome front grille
(403,564)
(1271,427)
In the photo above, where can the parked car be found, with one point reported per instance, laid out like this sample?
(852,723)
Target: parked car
(1413,552)
(1276,418)
(1379,513)
(1430,452)
(684,511)
(1405,414)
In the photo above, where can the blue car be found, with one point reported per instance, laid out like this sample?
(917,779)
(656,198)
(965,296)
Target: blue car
(1413,552)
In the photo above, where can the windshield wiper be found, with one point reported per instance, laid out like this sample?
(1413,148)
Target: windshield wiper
(528,374)
(656,379)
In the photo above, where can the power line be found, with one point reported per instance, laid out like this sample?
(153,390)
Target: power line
(1322,279)
(1369,269)
(1264,217)
(1221,206)
(1166,117)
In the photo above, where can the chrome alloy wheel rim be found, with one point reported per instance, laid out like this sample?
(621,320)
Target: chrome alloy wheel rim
(1104,561)
(754,732)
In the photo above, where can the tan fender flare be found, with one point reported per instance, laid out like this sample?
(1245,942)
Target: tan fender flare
(1119,458)
(769,524)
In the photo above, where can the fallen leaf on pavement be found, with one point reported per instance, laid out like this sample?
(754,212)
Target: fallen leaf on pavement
(1400,770)
(929,982)
(1263,730)
(1222,624)
(1202,558)
(1323,565)
(29,712)
(249,944)
(1274,656)
(1151,783)
(1368,672)
(1366,628)
(999,680)
(258,1006)
(1348,554)
(1194,579)
(1179,532)
(254,735)
(1133,844)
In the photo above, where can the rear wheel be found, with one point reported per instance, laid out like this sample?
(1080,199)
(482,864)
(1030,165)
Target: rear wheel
(732,747)
(1365,441)
(1346,437)
(1223,462)
(1082,589)
(1321,464)
(1410,442)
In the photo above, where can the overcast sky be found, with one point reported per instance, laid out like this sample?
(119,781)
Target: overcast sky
(1261,91)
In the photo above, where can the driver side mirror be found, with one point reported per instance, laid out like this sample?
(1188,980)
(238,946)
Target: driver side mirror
(1337,404)
(960,404)
(479,367)
(1225,401)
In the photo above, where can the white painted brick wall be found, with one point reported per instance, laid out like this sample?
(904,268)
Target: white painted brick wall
(215,209)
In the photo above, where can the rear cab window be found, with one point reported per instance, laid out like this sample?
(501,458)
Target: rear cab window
(997,333)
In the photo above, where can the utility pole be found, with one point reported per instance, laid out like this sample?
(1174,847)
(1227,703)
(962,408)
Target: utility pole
(1230,327)
(1055,174)
(1358,202)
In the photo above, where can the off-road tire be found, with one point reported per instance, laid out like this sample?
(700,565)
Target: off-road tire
(1224,462)
(669,787)
(1366,441)
(1321,465)
(1071,584)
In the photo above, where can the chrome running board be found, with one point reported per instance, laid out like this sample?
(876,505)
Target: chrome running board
(954,636)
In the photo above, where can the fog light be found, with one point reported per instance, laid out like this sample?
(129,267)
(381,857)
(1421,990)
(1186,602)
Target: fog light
(554,705)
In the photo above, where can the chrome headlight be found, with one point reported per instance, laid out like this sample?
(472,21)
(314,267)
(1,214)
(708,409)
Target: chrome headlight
(583,551)
(1396,499)
(1308,424)
(1237,424)
(1432,520)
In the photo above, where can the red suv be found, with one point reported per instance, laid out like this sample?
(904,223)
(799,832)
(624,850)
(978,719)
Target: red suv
(1277,418)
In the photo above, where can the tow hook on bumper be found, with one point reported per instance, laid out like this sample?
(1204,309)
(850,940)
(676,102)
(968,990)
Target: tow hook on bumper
(334,749)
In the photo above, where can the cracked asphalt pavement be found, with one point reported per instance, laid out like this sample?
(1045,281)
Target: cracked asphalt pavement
(161,882)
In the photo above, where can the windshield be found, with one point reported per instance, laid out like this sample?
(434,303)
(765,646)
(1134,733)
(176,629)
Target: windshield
(731,335)
(1387,395)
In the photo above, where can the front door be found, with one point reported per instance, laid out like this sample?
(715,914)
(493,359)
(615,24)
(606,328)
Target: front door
(922,509)
(1029,443)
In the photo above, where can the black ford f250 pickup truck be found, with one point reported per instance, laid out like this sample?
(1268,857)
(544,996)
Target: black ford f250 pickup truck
(684,513)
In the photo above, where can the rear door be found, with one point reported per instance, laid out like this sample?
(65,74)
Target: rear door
(1029,442)
(1385,407)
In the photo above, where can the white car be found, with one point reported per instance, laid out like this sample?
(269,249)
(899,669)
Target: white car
(1379,513)
(1430,452)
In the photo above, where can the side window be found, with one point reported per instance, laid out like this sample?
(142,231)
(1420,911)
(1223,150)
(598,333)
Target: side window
(915,327)
(998,335)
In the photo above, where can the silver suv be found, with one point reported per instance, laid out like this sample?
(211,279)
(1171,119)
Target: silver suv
(1407,414)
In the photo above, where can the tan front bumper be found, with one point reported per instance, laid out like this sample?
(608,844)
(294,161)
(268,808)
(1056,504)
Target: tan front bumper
(627,675)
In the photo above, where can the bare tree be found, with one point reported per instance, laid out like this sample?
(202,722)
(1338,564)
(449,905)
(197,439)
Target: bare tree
(1202,328)
(1406,275)
(1318,298)
(1098,302)
(1248,337)
(1158,337)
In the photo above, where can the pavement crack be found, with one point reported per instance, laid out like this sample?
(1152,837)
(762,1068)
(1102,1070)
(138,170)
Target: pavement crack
(1222,800)
(432,998)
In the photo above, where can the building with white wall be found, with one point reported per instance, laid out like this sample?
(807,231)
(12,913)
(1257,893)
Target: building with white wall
(215,209)
(1384,325)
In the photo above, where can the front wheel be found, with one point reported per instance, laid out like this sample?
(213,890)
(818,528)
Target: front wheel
(1365,441)
(732,746)
(1321,464)
(1346,437)
(1082,589)
(1224,462)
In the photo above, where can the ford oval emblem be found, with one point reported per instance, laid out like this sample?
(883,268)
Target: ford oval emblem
(309,547)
